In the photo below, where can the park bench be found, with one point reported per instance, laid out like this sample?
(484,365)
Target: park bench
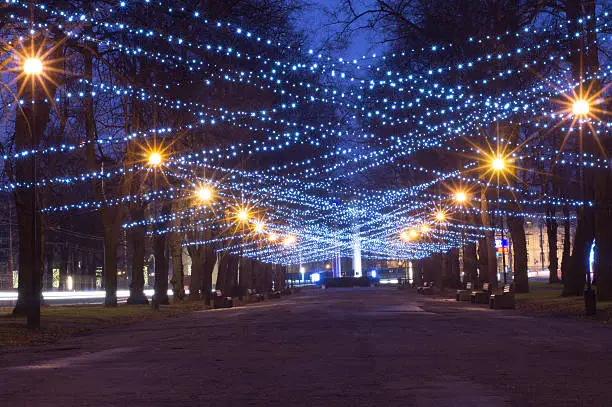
(503,300)
(425,289)
(465,295)
(481,296)
(253,295)
(219,301)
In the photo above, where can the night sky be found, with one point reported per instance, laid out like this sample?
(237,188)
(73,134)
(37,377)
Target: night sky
(316,22)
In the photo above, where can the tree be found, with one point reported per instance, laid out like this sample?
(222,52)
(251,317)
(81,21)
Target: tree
(516,224)
(551,232)
(30,125)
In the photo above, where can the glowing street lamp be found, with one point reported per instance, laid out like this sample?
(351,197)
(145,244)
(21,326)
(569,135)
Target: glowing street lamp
(242,215)
(155,159)
(33,66)
(413,234)
(425,229)
(440,216)
(204,194)
(498,164)
(581,107)
(460,197)
(273,237)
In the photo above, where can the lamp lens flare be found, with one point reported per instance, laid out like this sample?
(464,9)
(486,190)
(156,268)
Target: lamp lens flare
(440,216)
(33,66)
(204,193)
(243,215)
(498,164)
(155,159)
(581,107)
(460,197)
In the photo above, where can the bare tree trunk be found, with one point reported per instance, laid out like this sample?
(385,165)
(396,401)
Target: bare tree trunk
(177,280)
(483,262)
(50,255)
(553,259)
(455,277)
(470,264)
(111,216)
(160,250)
(602,177)
(138,241)
(487,255)
(516,224)
(567,245)
(112,232)
(197,264)
(573,281)
(231,276)
(63,272)
(210,259)
(30,123)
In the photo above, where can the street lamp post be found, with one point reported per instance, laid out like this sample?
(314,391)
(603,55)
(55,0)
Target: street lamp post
(155,160)
(460,198)
(581,109)
(33,67)
(499,165)
(243,217)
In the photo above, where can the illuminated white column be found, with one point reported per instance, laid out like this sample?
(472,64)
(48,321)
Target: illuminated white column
(357,255)
(410,272)
(338,266)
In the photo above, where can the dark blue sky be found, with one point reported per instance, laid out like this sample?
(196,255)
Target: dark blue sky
(317,24)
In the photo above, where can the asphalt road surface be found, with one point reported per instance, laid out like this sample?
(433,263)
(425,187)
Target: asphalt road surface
(336,347)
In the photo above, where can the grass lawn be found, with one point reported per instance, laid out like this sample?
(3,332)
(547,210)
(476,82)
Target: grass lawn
(545,298)
(64,321)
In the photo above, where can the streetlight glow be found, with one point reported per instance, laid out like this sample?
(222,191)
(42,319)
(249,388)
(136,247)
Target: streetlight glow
(413,234)
(440,216)
(581,107)
(155,159)
(498,164)
(204,194)
(273,237)
(289,240)
(33,66)
(242,215)
(425,229)
(460,197)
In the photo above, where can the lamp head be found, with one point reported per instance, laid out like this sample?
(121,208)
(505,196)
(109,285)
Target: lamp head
(155,159)
(33,66)
(204,194)
(460,197)
(581,107)
(498,164)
